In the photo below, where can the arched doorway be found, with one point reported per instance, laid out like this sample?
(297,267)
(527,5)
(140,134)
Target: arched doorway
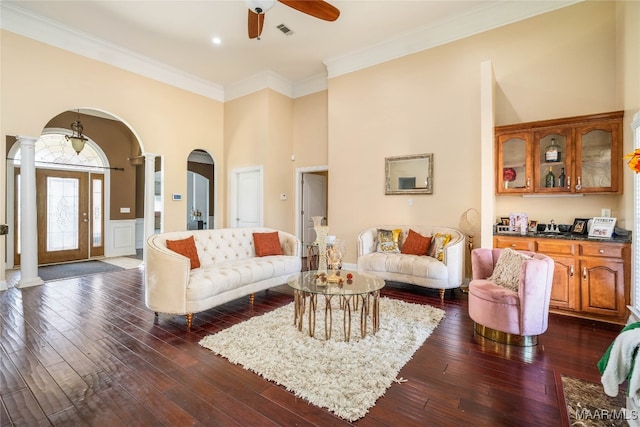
(79,217)
(200,191)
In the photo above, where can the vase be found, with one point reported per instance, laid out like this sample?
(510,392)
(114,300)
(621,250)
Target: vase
(321,240)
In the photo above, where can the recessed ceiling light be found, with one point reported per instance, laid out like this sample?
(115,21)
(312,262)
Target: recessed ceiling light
(216,40)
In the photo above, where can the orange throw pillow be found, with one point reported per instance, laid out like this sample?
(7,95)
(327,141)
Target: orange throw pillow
(416,244)
(267,244)
(186,247)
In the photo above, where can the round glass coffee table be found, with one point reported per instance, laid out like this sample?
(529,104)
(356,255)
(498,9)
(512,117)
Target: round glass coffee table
(361,290)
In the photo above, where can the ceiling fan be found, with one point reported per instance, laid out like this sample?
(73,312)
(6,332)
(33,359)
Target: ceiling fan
(317,8)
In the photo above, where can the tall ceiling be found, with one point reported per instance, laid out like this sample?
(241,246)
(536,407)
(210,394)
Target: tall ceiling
(175,37)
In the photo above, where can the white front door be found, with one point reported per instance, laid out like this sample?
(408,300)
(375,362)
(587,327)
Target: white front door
(314,203)
(247,208)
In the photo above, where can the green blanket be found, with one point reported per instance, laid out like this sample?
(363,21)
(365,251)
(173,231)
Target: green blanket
(604,360)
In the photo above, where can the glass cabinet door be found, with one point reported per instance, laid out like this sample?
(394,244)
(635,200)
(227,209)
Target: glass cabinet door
(596,152)
(514,170)
(553,158)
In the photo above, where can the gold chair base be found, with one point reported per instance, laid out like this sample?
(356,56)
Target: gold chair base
(506,338)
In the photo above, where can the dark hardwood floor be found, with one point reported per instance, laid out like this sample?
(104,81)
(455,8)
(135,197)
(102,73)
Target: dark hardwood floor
(86,351)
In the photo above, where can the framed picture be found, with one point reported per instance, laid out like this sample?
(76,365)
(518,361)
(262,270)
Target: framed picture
(580,226)
(533,226)
(602,227)
(504,220)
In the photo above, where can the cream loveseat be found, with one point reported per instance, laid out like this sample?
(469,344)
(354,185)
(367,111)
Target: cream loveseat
(229,269)
(420,270)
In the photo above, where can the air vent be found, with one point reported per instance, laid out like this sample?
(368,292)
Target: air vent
(285,30)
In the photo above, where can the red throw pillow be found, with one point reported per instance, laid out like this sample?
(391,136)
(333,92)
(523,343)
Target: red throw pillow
(186,247)
(267,244)
(416,244)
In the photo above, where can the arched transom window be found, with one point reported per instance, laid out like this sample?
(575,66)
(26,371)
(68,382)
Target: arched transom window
(53,150)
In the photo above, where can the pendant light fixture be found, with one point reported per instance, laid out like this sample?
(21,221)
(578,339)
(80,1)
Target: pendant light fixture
(77,139)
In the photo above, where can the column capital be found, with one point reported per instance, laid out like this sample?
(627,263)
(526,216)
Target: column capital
(26,140)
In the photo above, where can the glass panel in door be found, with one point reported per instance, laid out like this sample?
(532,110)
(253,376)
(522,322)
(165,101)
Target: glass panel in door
(513,172)
(63,199)
(553,161)
(97,215)
(595,160)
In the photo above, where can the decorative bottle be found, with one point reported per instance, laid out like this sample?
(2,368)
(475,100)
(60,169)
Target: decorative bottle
(561,178)
(552,153)
(550,179)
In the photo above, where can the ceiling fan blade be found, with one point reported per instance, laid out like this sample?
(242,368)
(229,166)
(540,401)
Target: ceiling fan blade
(255,24)
(317,8)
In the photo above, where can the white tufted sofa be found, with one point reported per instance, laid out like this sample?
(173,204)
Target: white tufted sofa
(417,270)
(229,269)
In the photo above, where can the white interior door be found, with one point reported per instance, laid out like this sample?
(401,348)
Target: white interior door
(197,200)
(248,198)
(314,203)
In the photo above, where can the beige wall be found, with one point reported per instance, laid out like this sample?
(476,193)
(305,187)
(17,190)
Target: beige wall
(258,132)
(555,65)
(578,60)
(310,130)
(39,82)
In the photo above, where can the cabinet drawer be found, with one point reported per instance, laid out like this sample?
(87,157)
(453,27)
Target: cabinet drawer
(601,249)
(514,243)
(555,247)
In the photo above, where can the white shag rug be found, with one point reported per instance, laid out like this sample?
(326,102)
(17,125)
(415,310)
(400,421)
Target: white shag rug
(347,378)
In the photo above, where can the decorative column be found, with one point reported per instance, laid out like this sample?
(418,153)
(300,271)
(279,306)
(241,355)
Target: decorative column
(3,218)
(28,218)
(149,198)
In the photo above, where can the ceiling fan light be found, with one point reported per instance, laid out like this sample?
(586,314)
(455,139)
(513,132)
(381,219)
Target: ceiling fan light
(263,5)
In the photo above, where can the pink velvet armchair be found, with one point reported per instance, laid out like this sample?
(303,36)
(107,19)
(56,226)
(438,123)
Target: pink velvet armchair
(511,317)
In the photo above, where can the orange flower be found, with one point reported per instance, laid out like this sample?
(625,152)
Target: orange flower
(634,160)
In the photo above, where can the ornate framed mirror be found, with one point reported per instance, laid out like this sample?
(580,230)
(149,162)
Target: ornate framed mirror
(409,174)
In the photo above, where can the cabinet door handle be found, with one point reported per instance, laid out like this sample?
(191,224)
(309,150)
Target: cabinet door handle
(528,182)
(513,245)
(568,183)
(571,271)
(579,184)
(584,273)
(601,251)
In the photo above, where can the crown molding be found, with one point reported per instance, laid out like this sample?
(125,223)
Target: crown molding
(313,84)
(27,24)
(476,21)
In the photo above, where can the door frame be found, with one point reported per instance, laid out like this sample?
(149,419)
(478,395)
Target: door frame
(233,193)
(298,191)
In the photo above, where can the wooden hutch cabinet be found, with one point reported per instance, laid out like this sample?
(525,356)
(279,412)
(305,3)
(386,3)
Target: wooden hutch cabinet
(590,279)
(582,153)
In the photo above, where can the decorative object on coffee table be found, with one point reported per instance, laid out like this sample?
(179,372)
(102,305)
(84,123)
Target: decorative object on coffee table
(322,231)
(335,253)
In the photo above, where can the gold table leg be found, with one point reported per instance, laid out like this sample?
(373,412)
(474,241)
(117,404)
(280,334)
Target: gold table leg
(346,320)
(364,313)
(313,303)
(328,317)
(375,316)
(299,304)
